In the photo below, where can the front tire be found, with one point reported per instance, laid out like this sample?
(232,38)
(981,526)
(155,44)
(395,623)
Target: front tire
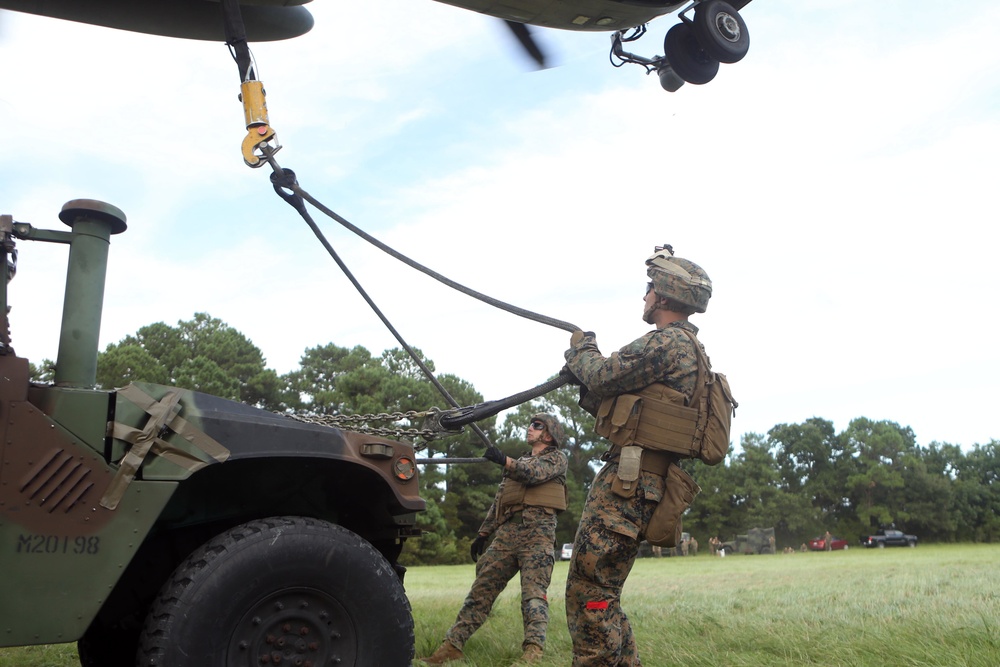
(283,590)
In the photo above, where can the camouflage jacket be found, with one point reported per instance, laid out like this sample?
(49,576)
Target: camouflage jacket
(530,470)
(663,355)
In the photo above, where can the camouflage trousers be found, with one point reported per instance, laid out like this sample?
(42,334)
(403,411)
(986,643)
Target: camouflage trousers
(606,546)
(525,547)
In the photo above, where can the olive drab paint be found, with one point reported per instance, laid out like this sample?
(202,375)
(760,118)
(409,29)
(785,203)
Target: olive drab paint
(103,493)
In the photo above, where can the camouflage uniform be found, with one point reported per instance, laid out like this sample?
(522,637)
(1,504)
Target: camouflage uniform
(611,526)
(523,542)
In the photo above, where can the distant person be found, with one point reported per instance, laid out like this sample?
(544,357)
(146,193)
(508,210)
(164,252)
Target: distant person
(827,541)
(693,546)
(523,519)
(629,487)
(713,545)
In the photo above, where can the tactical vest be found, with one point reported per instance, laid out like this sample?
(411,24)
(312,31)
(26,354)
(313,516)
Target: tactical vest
(659,418)
(655,418)
(516,496)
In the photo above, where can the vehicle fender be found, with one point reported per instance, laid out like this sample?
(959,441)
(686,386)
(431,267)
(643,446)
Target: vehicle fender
(239,432)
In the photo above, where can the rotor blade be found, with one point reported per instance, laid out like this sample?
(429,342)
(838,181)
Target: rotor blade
(523,35)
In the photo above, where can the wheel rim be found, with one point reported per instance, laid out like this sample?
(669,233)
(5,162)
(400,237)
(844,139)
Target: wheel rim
(728,27)
(299,627)
(721,31)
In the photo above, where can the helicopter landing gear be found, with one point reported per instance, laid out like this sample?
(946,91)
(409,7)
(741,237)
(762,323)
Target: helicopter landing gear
(721,31)
(694,48)
(687,57)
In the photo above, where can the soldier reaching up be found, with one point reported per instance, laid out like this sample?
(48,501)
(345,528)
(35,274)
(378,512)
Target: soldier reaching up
(523,519)
(629,487)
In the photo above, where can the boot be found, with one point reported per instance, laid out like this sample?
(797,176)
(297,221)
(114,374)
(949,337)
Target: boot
(532,654)
(446,652)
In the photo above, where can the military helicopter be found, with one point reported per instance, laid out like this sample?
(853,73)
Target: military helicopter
(693,49)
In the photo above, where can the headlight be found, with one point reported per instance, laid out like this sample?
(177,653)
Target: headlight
(404,468)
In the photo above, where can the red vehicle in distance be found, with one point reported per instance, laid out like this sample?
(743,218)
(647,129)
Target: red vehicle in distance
(819,544)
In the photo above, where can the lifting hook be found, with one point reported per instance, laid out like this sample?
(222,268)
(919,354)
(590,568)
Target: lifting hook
(259,132)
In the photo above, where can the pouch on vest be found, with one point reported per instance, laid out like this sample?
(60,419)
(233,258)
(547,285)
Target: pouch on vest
(618,418)
(626,480)
(717,409)
(664,528)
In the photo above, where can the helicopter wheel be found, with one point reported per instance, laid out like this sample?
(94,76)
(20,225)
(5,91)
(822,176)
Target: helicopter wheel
(687,57)
(721,31)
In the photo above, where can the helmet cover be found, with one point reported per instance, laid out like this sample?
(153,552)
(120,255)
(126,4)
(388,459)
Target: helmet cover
(678,279)
(553,426)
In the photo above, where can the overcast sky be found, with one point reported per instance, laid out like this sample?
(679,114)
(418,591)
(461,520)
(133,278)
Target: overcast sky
(838,185)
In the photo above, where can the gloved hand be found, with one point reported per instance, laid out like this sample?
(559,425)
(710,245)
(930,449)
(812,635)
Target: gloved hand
(569,375)
(477,548)
(578,336)
(494,454)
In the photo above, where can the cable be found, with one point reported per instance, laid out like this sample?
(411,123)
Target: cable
(521,312)
(284,181)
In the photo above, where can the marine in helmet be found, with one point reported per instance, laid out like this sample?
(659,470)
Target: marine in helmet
(629,487)
(522,520)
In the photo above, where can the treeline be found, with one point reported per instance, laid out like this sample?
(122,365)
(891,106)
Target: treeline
(802,479)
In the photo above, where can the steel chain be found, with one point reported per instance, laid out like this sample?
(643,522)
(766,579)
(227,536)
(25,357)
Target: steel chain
(358,423)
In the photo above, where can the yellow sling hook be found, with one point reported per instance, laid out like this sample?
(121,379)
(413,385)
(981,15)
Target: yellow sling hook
(259,132)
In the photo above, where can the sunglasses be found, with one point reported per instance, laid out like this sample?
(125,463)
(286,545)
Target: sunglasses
(649,287)
(537,425)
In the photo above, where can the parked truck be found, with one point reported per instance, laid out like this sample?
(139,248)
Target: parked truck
(165,527)
(888,538)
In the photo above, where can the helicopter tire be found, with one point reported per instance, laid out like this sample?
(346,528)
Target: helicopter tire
(687,57)
(289,590)
(721,31)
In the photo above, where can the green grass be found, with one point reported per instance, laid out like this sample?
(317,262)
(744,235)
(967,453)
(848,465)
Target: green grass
(62,655)
(933,606)
(930,606)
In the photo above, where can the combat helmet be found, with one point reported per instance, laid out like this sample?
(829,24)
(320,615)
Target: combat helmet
(679,279)
(553,426)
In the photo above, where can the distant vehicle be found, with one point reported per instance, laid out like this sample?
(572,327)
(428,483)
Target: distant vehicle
(567,551)
(889,538)
(819,544)
(756,541)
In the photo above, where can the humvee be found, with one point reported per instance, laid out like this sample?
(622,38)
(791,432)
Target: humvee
(755,541)
(159,526)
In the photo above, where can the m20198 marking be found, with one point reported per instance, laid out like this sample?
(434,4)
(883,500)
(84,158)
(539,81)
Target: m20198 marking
(58,544)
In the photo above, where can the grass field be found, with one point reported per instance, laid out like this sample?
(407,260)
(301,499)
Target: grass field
(930,606)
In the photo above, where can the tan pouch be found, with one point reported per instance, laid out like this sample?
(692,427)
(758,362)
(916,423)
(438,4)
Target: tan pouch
(618,419)
(664,529)
(629,468)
